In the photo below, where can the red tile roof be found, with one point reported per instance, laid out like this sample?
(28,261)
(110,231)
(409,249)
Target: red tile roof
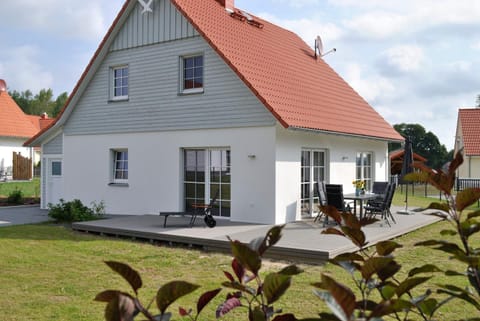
(469,121)
(14,122)
(280,68)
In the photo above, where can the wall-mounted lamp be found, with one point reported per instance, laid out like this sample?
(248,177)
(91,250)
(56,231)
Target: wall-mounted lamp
(252,156)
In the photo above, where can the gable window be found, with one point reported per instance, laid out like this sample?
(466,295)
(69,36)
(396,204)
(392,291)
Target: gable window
(192,74)
(120,83)
(120,166)
(364,169)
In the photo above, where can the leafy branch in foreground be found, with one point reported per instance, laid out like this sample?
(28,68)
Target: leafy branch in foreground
(374,273)
(463,224)
(249,291)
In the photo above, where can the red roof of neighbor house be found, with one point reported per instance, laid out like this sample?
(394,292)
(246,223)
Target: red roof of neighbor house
(14,122)
(469,121)
(280,68)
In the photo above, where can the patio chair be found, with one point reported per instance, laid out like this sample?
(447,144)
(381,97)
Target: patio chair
(383,208)
(197,210)
(335,197)
(379,189)
(322,199)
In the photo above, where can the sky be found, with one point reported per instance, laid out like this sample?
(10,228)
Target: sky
(414,61)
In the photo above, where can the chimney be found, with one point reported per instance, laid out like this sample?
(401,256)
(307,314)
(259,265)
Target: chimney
(3,86)
(229,5)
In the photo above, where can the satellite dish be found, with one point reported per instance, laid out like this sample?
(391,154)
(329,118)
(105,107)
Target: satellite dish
(318,47)
(3,86)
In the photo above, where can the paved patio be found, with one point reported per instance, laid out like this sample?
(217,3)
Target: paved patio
(301,242)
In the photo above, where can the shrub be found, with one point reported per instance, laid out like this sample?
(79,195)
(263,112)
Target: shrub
(73,211)
(15,197)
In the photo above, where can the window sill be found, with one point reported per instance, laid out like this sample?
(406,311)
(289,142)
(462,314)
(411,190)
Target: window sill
(114,100)
(118,184)
(195,91)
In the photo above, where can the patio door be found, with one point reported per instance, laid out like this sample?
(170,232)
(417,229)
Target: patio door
(207,172)
(312,170)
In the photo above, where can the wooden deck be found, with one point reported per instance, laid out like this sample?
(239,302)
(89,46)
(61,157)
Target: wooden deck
(302,242)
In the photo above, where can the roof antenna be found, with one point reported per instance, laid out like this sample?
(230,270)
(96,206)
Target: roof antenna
(319,48)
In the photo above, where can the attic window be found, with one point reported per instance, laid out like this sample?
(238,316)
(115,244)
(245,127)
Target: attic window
(243,16)
(119,83)
(192,74)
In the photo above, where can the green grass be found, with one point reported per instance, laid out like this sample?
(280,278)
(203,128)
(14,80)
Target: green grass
(29,189)
(49,272)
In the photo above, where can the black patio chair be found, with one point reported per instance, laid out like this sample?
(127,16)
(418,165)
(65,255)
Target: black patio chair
(335,197)
(383,208)
(379,189)
(320,190)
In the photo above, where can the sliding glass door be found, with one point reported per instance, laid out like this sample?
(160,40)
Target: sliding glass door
(313,170)
(207,173)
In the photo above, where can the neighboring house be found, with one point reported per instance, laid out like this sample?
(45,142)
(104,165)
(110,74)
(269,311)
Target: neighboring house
(197,97)
(396,161)
(15,128)
(468,139)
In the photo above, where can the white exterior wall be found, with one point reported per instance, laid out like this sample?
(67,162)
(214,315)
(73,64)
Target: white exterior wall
(470,167)
(156,170)
(341,154)
(8,145)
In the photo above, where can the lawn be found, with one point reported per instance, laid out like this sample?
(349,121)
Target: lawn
(29,189)
(49,272)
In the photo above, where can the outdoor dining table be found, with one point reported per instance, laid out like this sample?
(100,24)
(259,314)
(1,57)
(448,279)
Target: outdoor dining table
(360,198)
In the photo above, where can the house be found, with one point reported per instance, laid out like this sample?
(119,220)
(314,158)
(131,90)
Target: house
(396,161)
(468,139)
(16,127)
(184,98)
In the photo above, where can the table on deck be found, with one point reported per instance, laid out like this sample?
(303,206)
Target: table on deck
(360,198)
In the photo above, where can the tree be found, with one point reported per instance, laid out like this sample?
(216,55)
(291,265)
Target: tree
(40,103)
(477,102)
(424,143)
(59,103)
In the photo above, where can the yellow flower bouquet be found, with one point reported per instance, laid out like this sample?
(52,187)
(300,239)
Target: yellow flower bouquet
(359,184)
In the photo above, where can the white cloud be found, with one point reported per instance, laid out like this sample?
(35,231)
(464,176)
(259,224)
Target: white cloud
(69,18)
(476,45)
(297,3)
(373,19)
(372,88)
(401,59)
(308,29)
(21,70)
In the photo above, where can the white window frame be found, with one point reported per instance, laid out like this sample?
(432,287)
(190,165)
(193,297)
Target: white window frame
(218,210)
(311,173)
(361,168)
(114,167)
(112,82)
(184,90)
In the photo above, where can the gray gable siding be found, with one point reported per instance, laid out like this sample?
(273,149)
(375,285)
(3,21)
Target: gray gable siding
(55,146)
(154,102)
(165,23)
